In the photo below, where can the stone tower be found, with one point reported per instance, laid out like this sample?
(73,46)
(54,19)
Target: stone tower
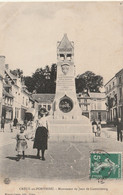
(66,105)
(66,121)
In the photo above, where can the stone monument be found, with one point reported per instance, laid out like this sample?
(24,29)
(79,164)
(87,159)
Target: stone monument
(67,121)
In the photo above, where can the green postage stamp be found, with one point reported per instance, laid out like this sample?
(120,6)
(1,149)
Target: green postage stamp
(105,165)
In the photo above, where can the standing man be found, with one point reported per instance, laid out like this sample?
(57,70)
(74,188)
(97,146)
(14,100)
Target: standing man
(15,122)
(2,123)
(119,128)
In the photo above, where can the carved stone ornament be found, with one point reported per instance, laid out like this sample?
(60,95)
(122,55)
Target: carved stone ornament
(66,104)
(65,68)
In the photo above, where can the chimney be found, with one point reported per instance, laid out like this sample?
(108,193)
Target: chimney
(2,65)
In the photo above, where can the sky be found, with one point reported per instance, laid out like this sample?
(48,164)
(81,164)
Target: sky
(29,33)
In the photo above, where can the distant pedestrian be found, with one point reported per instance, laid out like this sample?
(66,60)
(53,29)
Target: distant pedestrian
(25,123)
(94,127)
(21,145)
(99,129)
(11,127)
(2,123)
(41,135)
(119,128)
(15,122)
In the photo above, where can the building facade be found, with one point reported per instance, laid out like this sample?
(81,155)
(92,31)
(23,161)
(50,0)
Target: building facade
(92,104)
(2,66)
(119,80)
(114,97)
(16,99)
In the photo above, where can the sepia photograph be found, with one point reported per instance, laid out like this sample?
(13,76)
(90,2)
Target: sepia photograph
(61,97)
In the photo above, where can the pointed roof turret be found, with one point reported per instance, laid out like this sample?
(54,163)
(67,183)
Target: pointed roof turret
(65,43)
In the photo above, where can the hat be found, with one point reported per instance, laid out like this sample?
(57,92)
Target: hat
(22,127)
(42,111)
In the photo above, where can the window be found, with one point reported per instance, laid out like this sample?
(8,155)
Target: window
(120,81)
(23,100)
(62,57)
(26,102)
(69,57)
(120,93)
(49,107)
(85,101)
(109,87)
(99,115)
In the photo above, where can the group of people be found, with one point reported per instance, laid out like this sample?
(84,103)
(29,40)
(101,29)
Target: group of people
(12,124)
(40,139)
(96,128)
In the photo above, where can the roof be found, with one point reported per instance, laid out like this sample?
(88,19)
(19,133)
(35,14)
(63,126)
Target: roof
(49,98)
(5,93)
(120,72)
(6,85)
(65,43)
(110,80)
(44,98)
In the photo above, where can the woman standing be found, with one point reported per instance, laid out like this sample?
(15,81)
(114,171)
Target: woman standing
(41,135)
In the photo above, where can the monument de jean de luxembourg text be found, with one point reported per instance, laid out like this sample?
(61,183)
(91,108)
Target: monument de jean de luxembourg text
(66,121)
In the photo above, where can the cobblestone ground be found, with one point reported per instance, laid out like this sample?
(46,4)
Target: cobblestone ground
(64,160)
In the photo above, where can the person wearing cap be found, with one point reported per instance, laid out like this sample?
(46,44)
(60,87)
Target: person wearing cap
(21,145)
(41,135)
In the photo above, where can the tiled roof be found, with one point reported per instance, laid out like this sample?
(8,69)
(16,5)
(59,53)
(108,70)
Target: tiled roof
(65,43)
(44,98)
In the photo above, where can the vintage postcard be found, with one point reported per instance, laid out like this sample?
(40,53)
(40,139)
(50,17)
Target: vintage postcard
(61,98)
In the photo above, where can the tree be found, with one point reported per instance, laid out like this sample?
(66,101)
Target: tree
(29,83)
(43,80)
(89,81)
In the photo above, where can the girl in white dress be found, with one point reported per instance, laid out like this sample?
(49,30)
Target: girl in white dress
(21,145)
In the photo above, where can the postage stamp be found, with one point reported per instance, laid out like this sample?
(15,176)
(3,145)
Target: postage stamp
(105,165)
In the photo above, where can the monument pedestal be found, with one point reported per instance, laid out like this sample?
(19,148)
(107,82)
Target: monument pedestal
(70,130)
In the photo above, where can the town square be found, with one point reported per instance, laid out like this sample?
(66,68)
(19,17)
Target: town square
(61,92)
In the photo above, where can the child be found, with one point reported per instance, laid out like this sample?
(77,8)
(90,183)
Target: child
(21,143)
(11,127)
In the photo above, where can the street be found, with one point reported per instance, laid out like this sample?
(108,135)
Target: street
(64,160)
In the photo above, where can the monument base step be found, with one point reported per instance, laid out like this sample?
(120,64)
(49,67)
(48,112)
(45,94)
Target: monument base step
(71,128)
(67,137)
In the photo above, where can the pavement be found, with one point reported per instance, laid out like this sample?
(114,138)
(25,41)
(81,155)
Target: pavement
(64,160)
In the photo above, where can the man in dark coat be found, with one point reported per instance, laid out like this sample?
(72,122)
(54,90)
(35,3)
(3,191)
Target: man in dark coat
(15,122)
(41,137)
(2,123)
(119,128)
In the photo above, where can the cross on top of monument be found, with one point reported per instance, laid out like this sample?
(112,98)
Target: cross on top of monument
(65,44)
